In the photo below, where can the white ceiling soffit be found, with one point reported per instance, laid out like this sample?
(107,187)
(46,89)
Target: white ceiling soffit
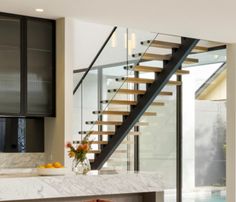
(211,20)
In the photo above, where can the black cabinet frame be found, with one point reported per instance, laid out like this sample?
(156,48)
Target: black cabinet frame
(23,67)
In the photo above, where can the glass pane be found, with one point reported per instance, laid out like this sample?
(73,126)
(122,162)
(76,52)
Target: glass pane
(40,67)
(157,141)
(204,133)
(10,65)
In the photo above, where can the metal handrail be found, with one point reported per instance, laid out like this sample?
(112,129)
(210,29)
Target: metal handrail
(94,60)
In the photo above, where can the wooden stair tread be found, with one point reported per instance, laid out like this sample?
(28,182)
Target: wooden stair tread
(134,133)
(106,132)
(106,142)
(104,122)
(98,142)
(122,151)
(152,56)
(170,45)
(128,102)
(141,80)
(92,142)
(156,69)
(116,123)
(117,160)
(137,92)
(97,132)
(126,113)
(94,151)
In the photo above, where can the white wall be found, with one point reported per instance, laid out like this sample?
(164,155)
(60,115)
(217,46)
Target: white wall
(58,130)
(86,39)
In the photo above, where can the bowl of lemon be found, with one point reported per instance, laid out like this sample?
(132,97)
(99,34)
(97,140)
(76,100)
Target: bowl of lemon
(51,169)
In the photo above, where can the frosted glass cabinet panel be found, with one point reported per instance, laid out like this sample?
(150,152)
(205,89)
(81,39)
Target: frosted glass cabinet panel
(10,54)
(40,67)
(27,67)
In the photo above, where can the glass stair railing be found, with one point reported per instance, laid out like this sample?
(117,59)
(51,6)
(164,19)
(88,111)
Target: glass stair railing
(127,66)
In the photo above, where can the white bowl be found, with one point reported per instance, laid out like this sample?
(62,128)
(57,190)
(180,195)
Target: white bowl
(51,171)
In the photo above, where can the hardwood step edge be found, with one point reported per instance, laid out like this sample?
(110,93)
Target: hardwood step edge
(137,92)
(106,133)
(143,68)
(125,113)
(125,102)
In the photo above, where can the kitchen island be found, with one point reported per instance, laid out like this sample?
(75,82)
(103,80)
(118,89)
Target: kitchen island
(121,187)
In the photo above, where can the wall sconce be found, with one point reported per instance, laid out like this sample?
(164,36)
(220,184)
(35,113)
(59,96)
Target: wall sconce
(131,43)
(114,40)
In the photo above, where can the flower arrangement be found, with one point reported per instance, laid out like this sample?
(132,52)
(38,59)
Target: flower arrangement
(79,151)
(81,164)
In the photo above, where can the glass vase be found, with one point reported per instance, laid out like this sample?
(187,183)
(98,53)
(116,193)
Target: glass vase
(81,167)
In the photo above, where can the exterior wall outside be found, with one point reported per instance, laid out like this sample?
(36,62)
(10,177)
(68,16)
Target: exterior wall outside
(216,90)
(195,116)
(210,137)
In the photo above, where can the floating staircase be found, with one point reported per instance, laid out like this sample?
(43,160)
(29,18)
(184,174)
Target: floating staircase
(120,119)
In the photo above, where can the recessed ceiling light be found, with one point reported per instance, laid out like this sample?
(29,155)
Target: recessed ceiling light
(40,10)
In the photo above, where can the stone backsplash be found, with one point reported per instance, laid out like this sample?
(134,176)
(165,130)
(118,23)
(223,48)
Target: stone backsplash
(21,160)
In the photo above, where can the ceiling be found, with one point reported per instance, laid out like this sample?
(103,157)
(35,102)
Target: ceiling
(211,20)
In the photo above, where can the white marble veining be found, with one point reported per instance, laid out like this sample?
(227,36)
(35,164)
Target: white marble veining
(23,188)
(21,160)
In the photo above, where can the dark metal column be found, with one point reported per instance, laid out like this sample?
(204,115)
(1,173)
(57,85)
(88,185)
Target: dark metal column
(99,98)
(179,140)
(136,129)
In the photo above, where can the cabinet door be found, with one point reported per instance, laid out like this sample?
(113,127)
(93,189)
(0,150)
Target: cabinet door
(10,65)
(40,67)
(21,135)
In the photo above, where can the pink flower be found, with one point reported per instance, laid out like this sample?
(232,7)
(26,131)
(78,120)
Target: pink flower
(68,145)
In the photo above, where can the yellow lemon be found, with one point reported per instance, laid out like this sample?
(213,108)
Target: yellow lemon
(49,165)
(42,166)
(57,165)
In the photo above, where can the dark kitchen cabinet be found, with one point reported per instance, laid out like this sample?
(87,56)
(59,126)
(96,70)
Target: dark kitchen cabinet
(21,135)
(10,65)
(27,68)
(40,67)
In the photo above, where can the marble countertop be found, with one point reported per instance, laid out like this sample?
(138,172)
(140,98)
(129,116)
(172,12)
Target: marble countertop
(24,186)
